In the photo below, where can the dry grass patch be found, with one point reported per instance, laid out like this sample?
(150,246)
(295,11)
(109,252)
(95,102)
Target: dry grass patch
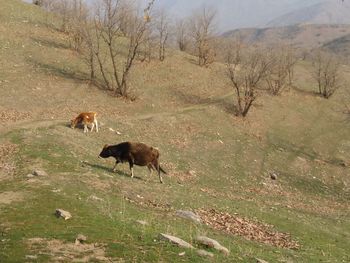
(7,165)
(9,197)
(251,230)
(69,252)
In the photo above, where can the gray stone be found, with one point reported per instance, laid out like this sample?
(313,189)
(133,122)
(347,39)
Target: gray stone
(39,173)
(175,240)
(189,215)
(273,176)
(80,239)
(204,253)
(62,213)
(258,260)
(212,244)
(30,175)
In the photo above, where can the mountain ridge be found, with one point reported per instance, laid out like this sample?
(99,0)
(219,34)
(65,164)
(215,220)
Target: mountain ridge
(327,12)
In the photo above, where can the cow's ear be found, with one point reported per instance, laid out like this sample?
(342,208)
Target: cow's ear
(106,145)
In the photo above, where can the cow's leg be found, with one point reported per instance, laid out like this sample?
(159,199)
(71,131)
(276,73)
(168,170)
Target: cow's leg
(92,127)
(156,165)
(85,128)
(150,169)
(115,165)
(131,169)
(96,125)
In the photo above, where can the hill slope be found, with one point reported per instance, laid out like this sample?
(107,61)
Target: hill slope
(219,166)
(328,12)
(304,36)
(340,46)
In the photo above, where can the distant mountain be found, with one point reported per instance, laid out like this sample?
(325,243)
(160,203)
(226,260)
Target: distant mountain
(234,14)
(339,46)
(327,12)
(304,36)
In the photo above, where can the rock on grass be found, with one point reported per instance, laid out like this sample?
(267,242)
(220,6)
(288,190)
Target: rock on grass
(212,244)
(189,215)
(39,173)
(175,240)
(62,213)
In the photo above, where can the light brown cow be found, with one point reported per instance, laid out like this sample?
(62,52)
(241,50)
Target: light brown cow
(86,118)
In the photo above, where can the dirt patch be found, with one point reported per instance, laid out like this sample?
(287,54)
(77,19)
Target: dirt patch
(251,230)
(69,252)
(9,197)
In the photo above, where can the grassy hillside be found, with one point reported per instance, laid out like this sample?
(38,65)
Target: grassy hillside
(218,165)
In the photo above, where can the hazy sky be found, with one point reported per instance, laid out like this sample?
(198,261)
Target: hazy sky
(236,13)
(240,13)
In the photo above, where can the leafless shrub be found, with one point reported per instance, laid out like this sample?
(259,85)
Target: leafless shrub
(326,73)
(88,47)
(38,2)
(246,69)
(162,31)
(182,34)
(202,31)
(115,49)
(281,72)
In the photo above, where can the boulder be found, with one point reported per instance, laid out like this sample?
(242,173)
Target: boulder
(80,239)
(258,260)
(189,215)
(212,244)
(39,173)
(175,240)
(62,213)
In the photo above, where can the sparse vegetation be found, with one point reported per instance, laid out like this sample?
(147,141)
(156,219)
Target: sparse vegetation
(246,68)
(326,73)
(202,31)
(109,42)
(281,72)
(162,30)
(182,34)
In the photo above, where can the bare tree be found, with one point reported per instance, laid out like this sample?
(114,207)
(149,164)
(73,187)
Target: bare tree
(182,34)
(326,73)
(110,43)
(162,30)
(291,61)
(79,16)
(246,69)
(38,2)
(281,72)
(89,47)
(202,31)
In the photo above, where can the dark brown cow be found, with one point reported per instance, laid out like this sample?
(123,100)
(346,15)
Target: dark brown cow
(134,153)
